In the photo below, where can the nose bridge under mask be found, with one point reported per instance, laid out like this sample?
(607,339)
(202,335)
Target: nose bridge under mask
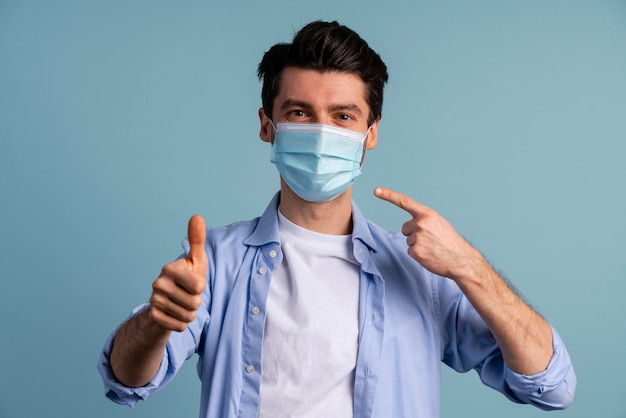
(321,129)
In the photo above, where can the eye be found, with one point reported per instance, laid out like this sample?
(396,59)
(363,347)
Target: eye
(345,117)
(345,120)
(297,113)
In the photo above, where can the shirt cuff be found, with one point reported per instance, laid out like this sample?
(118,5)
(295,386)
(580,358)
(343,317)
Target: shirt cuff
(550,389)
(118,392)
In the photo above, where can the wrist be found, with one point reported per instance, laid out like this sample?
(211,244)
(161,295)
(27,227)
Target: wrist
(473,270)
(148,326)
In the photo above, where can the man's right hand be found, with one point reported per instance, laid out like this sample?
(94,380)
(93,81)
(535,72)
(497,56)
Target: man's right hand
(176,296)
(177,292)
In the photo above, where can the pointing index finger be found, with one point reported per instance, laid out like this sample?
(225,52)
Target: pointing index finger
(400,200)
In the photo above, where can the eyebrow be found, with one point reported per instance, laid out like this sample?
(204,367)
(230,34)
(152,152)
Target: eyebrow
(294,103)
(350,107)
(333,108)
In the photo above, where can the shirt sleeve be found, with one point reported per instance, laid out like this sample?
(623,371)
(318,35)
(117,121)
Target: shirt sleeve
(468,344)
(180,347)
(551,389)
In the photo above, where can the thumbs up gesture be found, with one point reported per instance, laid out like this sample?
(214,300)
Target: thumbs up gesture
(177,292)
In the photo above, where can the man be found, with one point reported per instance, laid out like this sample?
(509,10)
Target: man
(313,311)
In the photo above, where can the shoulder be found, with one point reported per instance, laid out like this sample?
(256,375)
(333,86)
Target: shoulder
(237,229)
(230,236)
(226,237)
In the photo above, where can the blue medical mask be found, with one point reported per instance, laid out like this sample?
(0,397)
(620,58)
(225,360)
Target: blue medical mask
(318,162)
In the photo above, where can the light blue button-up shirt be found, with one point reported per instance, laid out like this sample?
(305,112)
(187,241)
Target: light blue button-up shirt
(409,321)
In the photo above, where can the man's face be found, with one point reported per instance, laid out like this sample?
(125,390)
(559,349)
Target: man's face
(331,98)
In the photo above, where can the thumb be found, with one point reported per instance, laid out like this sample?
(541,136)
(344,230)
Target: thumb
(196,234)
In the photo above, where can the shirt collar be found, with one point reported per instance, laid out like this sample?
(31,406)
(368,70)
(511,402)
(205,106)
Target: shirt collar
(266,230)
(360,228)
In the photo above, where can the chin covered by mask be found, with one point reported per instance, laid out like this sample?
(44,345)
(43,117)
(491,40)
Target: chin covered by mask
(318,162)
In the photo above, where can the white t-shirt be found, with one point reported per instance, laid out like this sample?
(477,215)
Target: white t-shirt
(311,329)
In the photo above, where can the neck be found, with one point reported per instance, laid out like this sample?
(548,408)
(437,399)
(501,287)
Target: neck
(333,218)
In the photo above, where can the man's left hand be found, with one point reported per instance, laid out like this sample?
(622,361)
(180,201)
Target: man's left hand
(432,240)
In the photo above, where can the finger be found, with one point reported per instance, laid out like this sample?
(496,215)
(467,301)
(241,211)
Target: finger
(410,240)
(400,200)
(184,290)
(182,274)
(196,234)
(409,228)
(164,320)
(172,308)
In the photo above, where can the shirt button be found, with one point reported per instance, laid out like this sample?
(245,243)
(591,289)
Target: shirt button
(263,270)
(273,253)
(256,311)
(250,368)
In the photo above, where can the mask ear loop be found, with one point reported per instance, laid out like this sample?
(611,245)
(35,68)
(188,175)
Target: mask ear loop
(364,145)
(275,130)
(366,134)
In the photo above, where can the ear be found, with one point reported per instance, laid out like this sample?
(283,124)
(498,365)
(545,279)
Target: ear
(267,131)
(372,137)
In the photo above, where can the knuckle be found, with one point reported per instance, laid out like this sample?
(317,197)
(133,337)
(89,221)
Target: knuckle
(179,326)
(189,316)
(198,286)
(166,320)
(424,223)
(158,317)
(196,301)
(168,270)
(159,300)
(154,300)
(428,212)
(158,308)
(158,285)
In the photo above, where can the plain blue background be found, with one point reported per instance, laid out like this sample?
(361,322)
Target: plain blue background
(120,119)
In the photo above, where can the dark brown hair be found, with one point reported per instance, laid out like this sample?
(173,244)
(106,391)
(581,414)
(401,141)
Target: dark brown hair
(325,46)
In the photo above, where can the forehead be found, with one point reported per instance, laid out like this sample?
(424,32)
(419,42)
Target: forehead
(321,88)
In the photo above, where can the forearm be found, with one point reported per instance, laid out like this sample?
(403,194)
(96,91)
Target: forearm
(523,336)
(137,350)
